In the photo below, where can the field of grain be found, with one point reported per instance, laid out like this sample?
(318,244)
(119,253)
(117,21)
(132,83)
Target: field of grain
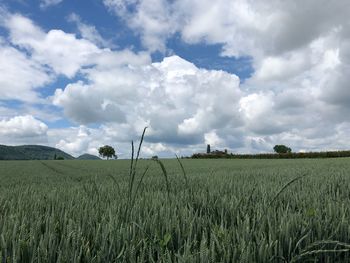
(220,211)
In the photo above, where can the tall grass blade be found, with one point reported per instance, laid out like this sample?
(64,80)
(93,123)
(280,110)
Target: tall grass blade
(132,157)
(285,187)
(183,171)
(132,175)
(138,187)
(140,145)
(165,173)
(116,184)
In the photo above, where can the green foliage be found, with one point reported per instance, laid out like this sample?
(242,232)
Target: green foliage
(165,241)
(59,158)
(300,155)
(282,149)
(107,152)
(218,211)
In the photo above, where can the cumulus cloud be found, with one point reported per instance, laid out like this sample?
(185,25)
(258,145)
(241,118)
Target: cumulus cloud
(153,20)
(83,106)
(298,93)
(178,101)
(213,139)
(20,76)
(23,128)
(62,52)
(244,27)
(299,50)
(78,140)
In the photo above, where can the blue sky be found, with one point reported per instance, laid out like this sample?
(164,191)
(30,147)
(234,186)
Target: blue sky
(116,30)
(235,74)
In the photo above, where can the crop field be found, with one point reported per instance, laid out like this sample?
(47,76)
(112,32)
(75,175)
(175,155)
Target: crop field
(210,211)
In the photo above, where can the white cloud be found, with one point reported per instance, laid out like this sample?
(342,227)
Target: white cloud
(177,100)
(152,19)
(83,106)
(282,67)
(23,128)
(89,32)
(78,143)
(299,49)
(244,27)
(213,139)
(20,76)
(298,93)
(47,3)
(81,139)
(154,149)
(63,52)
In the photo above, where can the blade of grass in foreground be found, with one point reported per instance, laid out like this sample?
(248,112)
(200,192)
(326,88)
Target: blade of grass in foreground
(285,187)
(165,173)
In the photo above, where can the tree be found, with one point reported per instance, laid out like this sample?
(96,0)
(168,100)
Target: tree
(282,149)
(107,152)
(208,148)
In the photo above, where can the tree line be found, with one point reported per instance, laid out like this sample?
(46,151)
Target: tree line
(281,152)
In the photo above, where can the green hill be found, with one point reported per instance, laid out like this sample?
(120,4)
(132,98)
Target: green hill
(87,156)
(31,152)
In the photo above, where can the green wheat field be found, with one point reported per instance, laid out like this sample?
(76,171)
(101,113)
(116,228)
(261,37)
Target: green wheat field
(160,211)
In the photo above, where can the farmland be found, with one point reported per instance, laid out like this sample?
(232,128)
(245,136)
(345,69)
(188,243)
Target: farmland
(219,211)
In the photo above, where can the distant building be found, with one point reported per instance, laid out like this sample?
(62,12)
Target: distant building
(217,152)
(208,149)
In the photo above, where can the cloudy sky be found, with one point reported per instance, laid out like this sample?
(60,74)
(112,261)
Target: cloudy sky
(238,74)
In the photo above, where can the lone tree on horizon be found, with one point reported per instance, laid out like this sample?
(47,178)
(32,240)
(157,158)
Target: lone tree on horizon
(107,152)
(282,149)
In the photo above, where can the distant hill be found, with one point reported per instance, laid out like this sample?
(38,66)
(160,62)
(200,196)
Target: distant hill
(31,152)
(87,156)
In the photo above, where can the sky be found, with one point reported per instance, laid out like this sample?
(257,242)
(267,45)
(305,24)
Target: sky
(241,75)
